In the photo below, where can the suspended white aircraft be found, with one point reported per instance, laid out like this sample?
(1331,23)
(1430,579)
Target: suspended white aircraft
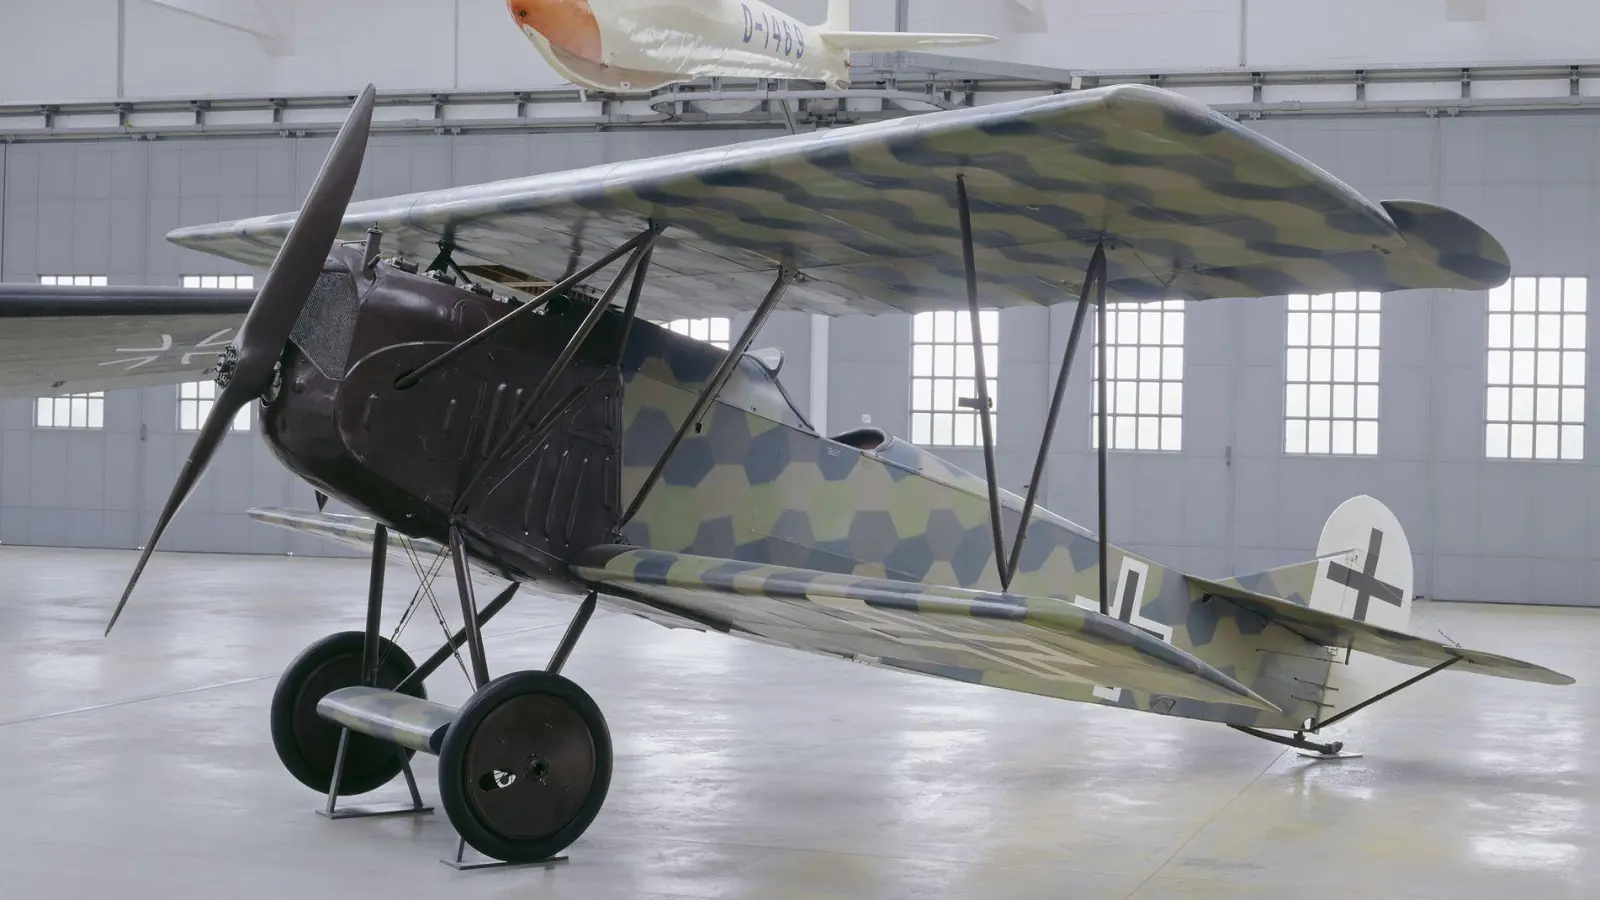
(643,45)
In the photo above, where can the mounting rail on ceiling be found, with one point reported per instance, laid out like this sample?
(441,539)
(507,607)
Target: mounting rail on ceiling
(887,85)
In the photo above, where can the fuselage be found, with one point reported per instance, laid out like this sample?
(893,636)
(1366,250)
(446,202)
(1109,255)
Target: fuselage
(752,481)
(642,45)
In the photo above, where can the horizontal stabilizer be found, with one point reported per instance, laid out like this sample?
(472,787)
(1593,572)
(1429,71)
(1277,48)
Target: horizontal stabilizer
(995,635)
(868,41)
(1332,630)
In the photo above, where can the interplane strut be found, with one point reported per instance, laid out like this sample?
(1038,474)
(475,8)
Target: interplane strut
(1095,277)
(985,405)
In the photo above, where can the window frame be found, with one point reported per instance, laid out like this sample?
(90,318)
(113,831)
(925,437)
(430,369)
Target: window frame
(1354,325)
(1567,372)
(199,282)
(1164,353)
(202,406)
(710,324)
(935,374)
(94,407)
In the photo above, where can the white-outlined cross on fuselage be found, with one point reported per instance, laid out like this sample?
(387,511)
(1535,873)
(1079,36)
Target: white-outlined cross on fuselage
(1128,606)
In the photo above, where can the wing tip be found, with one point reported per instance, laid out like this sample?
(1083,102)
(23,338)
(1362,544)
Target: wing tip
(1472,257)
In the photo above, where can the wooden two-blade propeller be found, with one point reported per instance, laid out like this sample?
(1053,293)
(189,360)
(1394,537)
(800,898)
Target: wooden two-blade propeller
(249,364)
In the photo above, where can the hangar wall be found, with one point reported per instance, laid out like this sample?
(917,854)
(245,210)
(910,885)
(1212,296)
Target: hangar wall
(94,49)
(1230,501)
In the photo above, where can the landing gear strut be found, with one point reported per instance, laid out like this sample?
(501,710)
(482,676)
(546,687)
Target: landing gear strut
(524,764)
(307,744)
(1335,750)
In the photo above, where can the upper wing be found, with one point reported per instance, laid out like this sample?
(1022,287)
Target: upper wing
(967,635)
(65,339)
(1189,203)
(1332,630)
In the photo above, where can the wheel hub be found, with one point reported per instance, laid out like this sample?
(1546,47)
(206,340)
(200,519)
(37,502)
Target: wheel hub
(525,767)
(532,761)
(537,768)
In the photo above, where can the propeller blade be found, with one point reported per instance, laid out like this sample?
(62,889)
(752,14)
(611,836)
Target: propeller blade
(294,272)
(282,297)
(205,447)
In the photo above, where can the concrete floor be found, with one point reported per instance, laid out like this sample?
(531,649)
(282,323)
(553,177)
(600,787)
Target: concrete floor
(140,766)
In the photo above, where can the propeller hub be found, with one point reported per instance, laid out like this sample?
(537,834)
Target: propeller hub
(227,364)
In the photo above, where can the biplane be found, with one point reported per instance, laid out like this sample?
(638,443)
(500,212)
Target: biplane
(442,363)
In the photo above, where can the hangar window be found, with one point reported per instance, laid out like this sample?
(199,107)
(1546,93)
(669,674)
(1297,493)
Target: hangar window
(713,331)
(86,410)
(225,282)
(195,399)
(944,386)
(1537,361)
(1331,394)
(74,280)
(1144,346)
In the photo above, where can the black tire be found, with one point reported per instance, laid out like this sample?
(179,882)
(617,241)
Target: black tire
(549,736)
(307,744)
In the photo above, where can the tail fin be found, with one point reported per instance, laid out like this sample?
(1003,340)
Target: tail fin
(838,16)
(1362,570)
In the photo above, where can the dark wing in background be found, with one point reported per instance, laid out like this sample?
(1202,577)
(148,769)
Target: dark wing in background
(57,340)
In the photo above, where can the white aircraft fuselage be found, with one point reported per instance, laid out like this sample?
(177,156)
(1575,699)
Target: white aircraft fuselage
(644,45)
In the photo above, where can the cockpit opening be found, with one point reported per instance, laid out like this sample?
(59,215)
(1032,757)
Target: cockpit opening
(863,438)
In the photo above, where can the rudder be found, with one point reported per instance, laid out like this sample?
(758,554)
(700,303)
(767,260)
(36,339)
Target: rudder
(1362,569)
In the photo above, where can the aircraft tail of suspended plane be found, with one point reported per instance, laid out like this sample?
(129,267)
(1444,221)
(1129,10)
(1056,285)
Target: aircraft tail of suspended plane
(644,45)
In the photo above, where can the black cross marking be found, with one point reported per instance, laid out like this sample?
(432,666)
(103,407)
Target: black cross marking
(1366,582)
(1130,602)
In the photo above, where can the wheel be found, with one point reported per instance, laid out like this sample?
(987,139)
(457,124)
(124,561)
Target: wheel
(525,766)
(308,744)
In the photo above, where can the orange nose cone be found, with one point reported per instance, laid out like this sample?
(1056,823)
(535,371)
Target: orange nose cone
(568,24)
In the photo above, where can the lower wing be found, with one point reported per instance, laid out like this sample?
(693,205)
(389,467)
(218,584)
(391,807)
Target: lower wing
(974,636)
